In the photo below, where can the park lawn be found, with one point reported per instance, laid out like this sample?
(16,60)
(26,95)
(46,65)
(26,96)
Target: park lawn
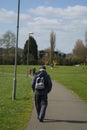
(72,77)
(14,115)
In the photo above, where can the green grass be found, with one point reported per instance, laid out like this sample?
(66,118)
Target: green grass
(74,78)
(14,115)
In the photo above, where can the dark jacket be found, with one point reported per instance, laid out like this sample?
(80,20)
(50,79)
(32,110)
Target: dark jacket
(47,80)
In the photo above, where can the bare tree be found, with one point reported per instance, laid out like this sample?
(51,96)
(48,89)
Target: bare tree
(79,50)
(46,57)
(7,42)
(86,38)
(86,44)
(52,46)
(8,39)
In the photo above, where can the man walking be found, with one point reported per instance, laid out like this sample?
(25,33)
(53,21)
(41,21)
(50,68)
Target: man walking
(41,85)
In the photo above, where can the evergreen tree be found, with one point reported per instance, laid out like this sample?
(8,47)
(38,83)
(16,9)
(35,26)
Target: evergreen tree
(33,51)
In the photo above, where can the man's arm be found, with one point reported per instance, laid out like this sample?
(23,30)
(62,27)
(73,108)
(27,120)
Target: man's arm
(49,84)
(33,83)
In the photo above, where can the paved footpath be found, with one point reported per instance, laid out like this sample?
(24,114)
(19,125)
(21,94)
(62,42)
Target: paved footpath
(65,111)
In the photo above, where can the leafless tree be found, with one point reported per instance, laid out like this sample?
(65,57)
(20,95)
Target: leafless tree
(86,44)
(79,50)
(86,38)
(46,57)
(8,41)
(52,46)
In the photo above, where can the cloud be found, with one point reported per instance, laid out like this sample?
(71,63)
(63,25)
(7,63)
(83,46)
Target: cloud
(69,12)
(65,17)
(48,16)
(7,16)
(68,23)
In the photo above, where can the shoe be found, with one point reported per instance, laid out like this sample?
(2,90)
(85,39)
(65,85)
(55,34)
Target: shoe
(40,120)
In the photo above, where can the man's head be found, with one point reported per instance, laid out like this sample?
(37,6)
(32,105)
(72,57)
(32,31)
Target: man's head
(42,68)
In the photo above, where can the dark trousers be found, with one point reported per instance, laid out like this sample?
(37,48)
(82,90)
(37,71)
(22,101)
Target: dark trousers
(41,105)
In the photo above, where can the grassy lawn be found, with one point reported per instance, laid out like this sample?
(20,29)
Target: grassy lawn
(14,115)
(74,78)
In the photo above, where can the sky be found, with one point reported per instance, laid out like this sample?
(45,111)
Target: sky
(66,18)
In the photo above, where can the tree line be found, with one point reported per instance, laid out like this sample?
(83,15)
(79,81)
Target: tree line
(79,52)
(46,56)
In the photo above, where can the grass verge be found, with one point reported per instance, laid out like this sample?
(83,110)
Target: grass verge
(15,114)
(72,77)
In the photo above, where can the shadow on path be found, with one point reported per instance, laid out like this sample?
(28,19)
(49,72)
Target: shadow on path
(67,121)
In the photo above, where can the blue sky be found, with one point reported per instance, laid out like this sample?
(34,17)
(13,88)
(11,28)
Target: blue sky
(67,18)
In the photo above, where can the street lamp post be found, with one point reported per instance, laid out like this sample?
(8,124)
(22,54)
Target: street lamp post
(28,53)
(16,51)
